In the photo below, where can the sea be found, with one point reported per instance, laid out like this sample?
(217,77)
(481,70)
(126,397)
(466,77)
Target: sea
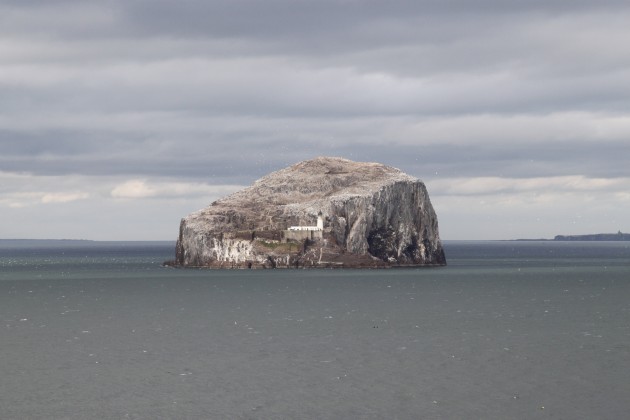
(507,330)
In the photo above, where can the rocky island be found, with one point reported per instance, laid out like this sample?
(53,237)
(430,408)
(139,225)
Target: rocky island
(324,212)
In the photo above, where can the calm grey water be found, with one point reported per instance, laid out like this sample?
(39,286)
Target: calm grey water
(509,330)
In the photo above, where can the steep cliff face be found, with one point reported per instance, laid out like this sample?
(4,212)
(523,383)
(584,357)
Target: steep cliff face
(374,216)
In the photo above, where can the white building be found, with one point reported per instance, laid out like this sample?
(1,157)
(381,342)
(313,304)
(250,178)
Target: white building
(320,225)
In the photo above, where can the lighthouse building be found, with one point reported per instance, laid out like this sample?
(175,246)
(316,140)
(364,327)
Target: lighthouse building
(319,227)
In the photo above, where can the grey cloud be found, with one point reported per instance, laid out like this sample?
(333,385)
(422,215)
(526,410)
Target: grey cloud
(280,18)
(337,23)
(239,159)
(224,91)
(500,61)
(251,87)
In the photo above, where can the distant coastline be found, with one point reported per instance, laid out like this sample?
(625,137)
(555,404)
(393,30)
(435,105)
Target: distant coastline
(58,243)
(43,240)
(619,236)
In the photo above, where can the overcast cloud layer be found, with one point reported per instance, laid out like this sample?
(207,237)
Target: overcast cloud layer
(119,117)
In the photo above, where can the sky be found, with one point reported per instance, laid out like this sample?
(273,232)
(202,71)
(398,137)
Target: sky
(120,117)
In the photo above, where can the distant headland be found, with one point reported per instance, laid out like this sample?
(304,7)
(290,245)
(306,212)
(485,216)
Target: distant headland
(619,236)
(325,212)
